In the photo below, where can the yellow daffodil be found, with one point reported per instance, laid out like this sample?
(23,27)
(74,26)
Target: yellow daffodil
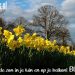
(19,30)
(11,38)
(72,52)
(31,41)
(20,41)
(7,34)
(34,35)
(12,45)
(0,30)
(54,42)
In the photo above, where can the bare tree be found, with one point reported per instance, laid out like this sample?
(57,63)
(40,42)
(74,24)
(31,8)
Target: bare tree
(20,21)
(63,34)
(51,20)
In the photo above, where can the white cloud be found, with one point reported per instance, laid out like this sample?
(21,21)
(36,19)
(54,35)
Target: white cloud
(12,10)
(68,9)
(15,10)
(34,5)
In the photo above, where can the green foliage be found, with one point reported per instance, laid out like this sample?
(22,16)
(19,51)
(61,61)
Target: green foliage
(31,58)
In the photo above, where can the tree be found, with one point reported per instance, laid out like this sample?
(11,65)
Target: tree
(50,19)
(2,22)
(10,26)
(63,34)
(20,21)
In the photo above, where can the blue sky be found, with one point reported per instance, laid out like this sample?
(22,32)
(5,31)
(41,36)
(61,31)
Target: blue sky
(29,7)
(26,8)
(2,1)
